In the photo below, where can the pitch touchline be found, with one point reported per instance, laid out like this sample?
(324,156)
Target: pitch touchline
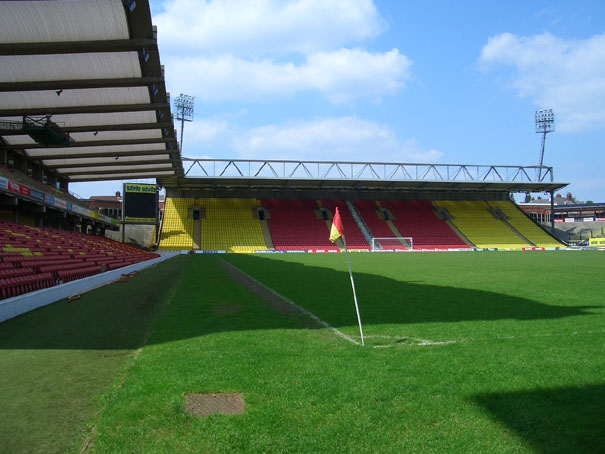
(300,308)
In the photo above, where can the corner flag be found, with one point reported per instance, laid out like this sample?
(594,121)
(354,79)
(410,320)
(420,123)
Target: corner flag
(336,231)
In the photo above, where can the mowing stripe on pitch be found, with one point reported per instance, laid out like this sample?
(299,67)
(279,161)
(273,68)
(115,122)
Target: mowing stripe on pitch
(283,298)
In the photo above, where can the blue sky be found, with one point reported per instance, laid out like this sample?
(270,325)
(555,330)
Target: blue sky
(454,82)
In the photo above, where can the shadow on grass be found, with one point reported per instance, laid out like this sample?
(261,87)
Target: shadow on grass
(559,420)
(118,316)
(114,317)
(382,300)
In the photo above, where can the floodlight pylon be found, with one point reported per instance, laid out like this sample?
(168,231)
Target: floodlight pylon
(184,112)
(545,123)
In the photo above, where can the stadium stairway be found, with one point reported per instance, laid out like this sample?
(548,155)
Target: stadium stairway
(363,228)
(177,225)
(232,225)
(373,216)
(417,219)
(525,225)
(353,235)
(483,225)
(211,224)
(297,225)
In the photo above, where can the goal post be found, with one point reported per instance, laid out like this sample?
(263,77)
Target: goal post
(393,242)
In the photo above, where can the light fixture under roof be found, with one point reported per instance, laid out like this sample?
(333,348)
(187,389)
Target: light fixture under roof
(46,132)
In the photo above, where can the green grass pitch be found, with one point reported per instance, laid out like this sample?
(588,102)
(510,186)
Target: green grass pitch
(465,352)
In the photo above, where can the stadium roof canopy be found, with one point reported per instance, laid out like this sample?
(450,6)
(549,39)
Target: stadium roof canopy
(261,175)
(82,90)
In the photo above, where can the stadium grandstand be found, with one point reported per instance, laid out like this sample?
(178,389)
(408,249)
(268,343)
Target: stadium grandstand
(301,225)
(250,206)
(84,99)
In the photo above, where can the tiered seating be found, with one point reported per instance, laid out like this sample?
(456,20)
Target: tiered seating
(15,286)
(378,227)
(416,219)
(32,258)
(177,226)
(525,226)
(355,239)
(230,226)
(294,225)
(481,228)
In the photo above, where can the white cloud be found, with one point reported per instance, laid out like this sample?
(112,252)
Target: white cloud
(205,130)
(260,27)
(340,76)
(254,50)
(413,152)
(566,75)
(322,139)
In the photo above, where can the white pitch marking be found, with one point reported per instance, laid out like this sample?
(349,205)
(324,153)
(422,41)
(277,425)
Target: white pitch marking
(300,308)
(423,342)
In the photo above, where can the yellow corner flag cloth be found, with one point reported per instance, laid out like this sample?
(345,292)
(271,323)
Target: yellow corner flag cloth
(336,231)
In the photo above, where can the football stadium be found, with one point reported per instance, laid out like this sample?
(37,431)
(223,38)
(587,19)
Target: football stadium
(277,306)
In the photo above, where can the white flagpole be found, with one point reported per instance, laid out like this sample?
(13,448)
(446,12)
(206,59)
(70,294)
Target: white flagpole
(353,286)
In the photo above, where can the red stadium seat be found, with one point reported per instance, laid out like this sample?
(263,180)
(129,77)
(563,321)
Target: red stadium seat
(35,257)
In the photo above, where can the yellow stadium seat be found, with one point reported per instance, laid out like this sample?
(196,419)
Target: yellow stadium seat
(525,226)
(475,221)
(177,227)
(230,226)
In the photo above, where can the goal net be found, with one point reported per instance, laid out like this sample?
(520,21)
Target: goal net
(393,242)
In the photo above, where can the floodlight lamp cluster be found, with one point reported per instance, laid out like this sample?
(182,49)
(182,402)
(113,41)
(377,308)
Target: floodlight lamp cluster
(545,121)
(184,107)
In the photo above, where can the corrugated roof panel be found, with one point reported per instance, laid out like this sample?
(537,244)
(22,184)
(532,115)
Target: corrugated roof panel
(121,176)
(19,140)
(117,135)
(62,20)
(108,160)
(36,68)
(125,168)
(72,98)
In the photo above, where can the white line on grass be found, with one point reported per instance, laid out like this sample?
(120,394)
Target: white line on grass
(415,342)
(300,308)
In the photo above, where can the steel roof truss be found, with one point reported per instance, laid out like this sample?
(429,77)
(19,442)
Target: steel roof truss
(80,84)
(78,47)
